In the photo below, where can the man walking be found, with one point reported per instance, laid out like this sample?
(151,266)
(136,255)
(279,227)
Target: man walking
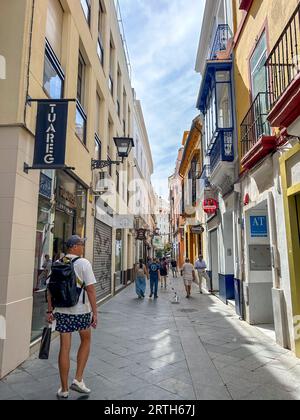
(174,268)
(201,267)
(79,318)
(154,274)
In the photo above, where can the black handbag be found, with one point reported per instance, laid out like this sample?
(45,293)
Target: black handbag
(45,343)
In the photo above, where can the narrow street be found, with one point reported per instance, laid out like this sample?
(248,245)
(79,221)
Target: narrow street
(156,350)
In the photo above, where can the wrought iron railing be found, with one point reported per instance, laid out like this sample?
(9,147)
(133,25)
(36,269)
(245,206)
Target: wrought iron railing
(283,62)
(222,37)
(222,150)
(255,124)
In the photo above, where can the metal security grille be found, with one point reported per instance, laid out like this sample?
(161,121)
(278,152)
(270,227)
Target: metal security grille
(102,259)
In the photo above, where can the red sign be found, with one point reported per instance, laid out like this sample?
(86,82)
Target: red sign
(210,206)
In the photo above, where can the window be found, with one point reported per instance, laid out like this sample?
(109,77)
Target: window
(81,80)
(98,148)
(101,32)
(118,182)
(98,113)
(129,120)
(53,74)
(111,67)
(80,126)
(86,7)
(258,70)
(119,92)
(54,26)
(224,105)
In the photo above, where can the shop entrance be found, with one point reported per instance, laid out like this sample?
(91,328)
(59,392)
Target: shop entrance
(259,278)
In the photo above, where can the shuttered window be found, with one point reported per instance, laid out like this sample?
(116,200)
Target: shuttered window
(54,27)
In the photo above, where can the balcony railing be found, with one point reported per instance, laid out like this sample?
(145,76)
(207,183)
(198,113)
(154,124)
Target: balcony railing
(283,62)
(255,124)
(222,150)
(220,44)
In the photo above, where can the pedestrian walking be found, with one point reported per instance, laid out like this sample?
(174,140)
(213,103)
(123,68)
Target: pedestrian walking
(70,318)
(154,274)
(189,276)
(174,268)
(164,272)
(201,267)
(141,273)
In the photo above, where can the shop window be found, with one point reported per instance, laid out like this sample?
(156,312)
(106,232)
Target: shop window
(53,74)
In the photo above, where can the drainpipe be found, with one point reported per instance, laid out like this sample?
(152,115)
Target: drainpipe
(29,59)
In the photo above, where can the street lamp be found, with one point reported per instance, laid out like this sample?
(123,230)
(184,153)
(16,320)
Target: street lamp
(123,145)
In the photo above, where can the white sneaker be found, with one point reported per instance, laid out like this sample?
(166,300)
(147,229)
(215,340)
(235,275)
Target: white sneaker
(62,394)
(80,387)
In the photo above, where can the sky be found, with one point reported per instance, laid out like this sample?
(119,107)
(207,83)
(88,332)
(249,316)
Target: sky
(162,38)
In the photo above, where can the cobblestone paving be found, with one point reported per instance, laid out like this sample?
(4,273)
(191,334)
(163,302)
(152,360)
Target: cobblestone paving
(149,350)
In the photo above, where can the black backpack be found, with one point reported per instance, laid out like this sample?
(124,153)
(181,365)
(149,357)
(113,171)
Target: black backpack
(63,284)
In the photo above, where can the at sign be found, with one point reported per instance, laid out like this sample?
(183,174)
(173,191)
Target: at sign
(210,206)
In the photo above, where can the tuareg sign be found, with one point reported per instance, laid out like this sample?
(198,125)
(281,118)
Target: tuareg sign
(51,134)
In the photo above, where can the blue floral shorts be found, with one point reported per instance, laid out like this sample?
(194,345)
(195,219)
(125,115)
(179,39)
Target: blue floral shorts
(66,323)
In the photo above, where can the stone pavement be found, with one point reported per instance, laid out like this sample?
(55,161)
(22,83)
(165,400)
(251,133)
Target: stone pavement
(156,350)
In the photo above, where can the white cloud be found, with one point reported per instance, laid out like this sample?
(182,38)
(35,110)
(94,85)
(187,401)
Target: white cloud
(162,37)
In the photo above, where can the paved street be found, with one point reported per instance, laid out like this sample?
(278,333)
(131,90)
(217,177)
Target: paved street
(197,349)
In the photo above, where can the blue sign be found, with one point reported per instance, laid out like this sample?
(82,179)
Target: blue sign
(259,226)
(51,132)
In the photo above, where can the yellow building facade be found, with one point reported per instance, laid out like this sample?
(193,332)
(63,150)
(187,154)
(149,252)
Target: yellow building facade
(68,49)
(190,171)
(267,36)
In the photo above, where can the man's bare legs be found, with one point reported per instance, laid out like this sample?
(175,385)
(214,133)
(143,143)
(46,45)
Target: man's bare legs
(64,360)
(83,353)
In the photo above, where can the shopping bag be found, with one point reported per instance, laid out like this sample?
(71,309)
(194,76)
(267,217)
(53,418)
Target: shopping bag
(45,343)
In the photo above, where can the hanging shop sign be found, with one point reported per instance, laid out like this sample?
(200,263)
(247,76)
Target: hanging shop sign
(141,234)
(210,206)
(197,230)
(158,242)
(124,222)
(51,133)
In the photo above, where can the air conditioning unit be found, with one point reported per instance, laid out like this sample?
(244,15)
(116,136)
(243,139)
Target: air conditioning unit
(102,183)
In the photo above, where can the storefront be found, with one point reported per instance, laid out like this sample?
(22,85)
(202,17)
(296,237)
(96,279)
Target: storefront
(61,213)
(103,238)
(102,259)
(44,243)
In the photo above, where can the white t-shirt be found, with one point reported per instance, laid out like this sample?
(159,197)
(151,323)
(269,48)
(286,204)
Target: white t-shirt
(85,274)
